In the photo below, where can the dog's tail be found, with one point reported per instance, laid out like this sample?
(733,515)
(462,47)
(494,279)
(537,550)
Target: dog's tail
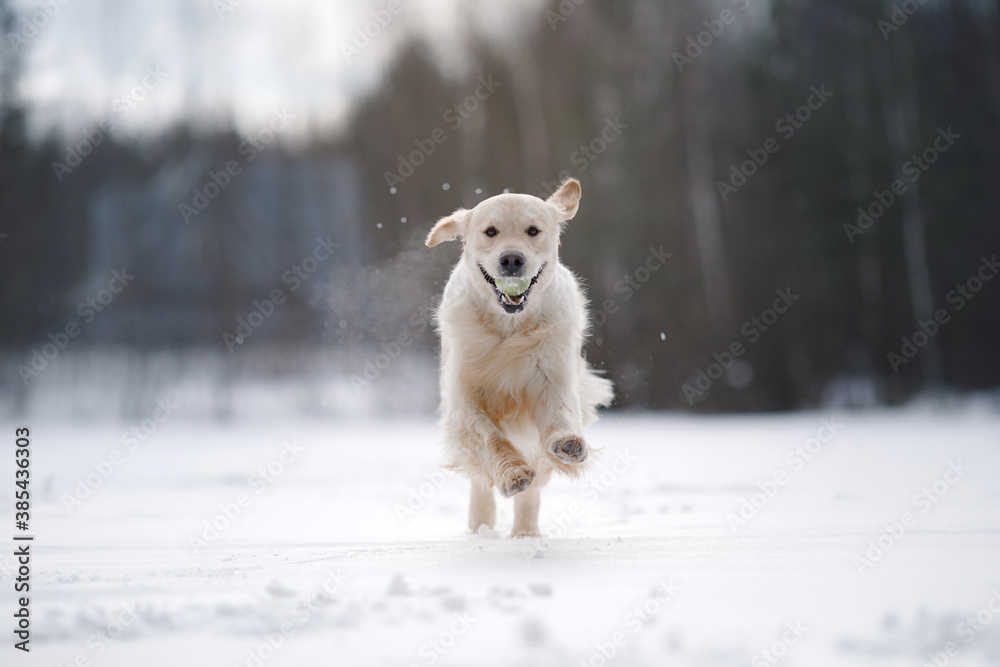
(595,391)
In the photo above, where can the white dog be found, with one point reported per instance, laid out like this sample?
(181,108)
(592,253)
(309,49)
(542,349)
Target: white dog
(516,391)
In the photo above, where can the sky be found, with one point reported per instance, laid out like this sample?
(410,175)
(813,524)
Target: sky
(146,65)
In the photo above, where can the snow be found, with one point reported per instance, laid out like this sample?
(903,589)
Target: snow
(353,549)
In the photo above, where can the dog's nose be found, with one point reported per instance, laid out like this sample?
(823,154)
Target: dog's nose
(512,263)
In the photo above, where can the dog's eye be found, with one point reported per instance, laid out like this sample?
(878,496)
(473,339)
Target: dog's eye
(532,231)
(491,231)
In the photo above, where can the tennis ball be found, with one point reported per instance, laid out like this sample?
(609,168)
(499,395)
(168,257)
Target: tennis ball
(513,286)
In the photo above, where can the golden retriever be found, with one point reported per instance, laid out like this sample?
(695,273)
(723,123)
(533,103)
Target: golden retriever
(516,390)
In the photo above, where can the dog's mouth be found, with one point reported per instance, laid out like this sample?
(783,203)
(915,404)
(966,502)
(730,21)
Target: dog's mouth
(502,287)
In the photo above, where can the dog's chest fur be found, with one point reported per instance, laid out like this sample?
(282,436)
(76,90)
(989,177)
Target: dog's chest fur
(502,370)
(502,362)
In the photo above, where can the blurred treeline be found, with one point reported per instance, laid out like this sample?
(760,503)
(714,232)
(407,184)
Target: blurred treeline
(560,86)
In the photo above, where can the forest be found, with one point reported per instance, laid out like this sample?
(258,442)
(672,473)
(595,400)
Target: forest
(785,204)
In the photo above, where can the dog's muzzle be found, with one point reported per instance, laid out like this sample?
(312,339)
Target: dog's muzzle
(511,304)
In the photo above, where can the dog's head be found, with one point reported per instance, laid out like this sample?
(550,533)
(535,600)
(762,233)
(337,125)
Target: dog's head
(511,241)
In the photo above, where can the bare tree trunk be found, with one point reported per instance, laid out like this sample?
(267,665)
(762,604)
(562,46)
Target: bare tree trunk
(526,89)
(705,208)
(987,31)
(472,135)
(899,114)
(868,260)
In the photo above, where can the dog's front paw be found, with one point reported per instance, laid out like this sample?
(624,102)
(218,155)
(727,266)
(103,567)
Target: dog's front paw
(569,449)
(516,479)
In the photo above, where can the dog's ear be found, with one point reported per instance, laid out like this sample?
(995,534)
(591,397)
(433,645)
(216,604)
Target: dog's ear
(448,228)
(566,199)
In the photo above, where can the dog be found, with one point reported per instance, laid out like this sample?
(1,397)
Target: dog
(516,390)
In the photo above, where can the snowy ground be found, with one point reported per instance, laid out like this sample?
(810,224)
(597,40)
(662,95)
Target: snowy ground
(643,562)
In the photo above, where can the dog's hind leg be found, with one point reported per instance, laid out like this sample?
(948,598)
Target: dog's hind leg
(526,506)
(482,506)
